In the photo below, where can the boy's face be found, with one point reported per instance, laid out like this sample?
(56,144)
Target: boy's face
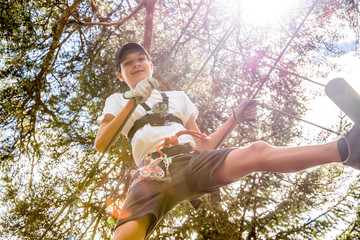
(135,67)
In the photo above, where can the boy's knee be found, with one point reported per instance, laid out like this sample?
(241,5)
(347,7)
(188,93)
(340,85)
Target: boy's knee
(261,153)
(260,148)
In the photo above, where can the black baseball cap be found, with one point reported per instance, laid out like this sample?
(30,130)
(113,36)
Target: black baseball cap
(129,46)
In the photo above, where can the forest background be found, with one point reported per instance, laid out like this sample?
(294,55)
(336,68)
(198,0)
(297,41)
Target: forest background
(57,68)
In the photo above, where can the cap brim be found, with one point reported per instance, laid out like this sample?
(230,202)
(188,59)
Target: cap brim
(127,47)
(130,46)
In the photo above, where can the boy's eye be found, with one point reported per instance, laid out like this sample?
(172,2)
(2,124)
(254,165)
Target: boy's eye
(127,63)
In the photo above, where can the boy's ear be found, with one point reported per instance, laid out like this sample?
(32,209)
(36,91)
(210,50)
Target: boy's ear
(120,76)
(152,68)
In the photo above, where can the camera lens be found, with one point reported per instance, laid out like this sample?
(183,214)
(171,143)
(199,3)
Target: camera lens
(163,106)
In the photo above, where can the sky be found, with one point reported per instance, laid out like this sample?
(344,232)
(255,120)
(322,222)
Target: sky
(322,110)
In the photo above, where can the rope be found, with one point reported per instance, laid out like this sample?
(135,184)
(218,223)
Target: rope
(110,195)
(173,140)
(261,62)
(74,212)
(300,119)
(162,64)
(90,174)
(216,49)
(286,47)
(270,71)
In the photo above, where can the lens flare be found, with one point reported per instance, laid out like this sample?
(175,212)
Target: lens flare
(114,206)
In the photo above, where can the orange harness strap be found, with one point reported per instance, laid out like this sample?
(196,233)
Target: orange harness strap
(173,140)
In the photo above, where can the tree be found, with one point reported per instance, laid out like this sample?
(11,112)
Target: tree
(57,69)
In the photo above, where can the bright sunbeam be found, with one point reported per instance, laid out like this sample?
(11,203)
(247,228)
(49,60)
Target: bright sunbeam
(264,12)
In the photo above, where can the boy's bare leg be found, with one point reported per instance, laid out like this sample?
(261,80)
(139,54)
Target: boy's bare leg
(133,230)
(262,157)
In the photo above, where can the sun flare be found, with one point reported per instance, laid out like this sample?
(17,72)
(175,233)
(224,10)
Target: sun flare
(264,12)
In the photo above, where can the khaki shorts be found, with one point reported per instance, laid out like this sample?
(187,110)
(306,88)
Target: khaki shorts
(191,177)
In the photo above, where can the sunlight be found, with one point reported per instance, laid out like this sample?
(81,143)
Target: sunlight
(265,12)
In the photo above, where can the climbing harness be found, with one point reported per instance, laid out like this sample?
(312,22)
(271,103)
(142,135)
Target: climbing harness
(166,151)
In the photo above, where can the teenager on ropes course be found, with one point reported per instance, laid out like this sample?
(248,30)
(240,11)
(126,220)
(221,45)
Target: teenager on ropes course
(175,161)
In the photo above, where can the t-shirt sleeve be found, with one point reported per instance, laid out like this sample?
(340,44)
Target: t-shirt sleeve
(189,108)
(113,106)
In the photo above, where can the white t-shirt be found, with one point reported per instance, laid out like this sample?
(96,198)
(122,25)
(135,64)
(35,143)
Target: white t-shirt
(146,139)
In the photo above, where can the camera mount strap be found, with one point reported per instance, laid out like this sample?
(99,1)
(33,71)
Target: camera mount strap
(145,106)
(147,119)
(165,100)
(155,119)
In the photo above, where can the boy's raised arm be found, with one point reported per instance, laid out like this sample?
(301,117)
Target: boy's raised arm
(246,111)
(111,125)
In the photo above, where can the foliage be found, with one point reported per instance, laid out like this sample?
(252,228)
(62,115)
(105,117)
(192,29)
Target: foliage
(57,69)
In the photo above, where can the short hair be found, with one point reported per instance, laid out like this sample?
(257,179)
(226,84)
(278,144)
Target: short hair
(122,52)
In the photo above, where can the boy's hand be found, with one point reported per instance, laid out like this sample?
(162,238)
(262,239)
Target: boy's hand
(143,90)
(246,111)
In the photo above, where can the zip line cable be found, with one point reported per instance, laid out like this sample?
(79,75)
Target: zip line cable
(261,62)
(270,71)
(286,47)
(297,118)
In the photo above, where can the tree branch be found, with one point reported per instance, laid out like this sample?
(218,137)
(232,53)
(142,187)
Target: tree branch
(149,23)
(118,23)
(49,58)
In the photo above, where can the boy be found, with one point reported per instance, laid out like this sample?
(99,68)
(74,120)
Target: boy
(185,174)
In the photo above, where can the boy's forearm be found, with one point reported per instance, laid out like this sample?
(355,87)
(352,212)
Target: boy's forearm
(107,133)
(216,136)
(246,111)
(221,131)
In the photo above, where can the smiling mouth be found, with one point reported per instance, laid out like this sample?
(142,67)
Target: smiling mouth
(137,71)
